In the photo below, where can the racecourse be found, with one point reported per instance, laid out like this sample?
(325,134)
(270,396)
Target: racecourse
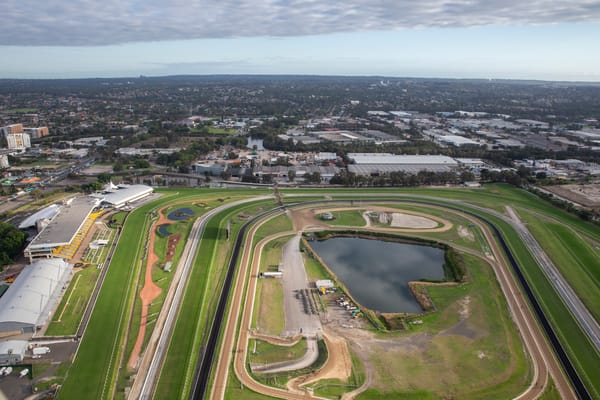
(96,368)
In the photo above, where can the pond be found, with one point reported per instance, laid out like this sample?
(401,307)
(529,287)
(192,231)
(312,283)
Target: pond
(377,272)
(163,230)
(180,214)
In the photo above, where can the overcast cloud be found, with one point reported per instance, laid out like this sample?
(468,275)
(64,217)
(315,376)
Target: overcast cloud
(105,22)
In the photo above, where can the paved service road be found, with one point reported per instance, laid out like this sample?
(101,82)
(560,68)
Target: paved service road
(294,280)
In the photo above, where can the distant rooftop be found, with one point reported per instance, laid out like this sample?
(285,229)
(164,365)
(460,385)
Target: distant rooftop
(387,158)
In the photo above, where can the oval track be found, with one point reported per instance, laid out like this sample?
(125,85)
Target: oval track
(206,356)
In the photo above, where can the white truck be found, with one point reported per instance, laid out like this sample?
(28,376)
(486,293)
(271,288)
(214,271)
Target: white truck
(40,351)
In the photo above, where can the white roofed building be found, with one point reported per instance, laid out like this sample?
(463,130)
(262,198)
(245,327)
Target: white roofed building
(28,302)
(125,194)
(381,163)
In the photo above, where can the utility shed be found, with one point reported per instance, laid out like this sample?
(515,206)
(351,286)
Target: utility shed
(28,302)
(324,283)
(12,351)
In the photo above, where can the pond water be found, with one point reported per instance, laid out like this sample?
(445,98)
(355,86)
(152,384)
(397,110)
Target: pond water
(377,272)
(180,214)
(163,230)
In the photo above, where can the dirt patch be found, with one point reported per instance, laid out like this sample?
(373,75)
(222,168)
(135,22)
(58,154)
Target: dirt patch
(337,366)
(401,220)
(586,195)
(305,218)
(172,245)
(466,233)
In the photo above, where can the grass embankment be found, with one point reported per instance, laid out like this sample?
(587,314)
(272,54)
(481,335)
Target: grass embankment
(577,260)
(261,352)
(200,300)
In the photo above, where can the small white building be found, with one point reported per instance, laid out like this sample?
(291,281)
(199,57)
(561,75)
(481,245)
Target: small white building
(12,351)
(324,283)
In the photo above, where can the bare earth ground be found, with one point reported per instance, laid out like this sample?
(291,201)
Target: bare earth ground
(307,219)
(586,195)
(337,366)
(149,292)
(97,169)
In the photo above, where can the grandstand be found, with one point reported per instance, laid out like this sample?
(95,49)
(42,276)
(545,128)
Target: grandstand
(62,230)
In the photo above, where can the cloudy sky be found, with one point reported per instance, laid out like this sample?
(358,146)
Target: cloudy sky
(533,39)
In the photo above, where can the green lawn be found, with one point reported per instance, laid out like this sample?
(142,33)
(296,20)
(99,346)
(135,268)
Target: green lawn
(482,357)
(268,313)
(68,315)
(261,352)
(199,304)
(576,259)
(347,218)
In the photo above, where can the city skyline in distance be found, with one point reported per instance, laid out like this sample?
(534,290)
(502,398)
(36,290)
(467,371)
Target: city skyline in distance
(540,40)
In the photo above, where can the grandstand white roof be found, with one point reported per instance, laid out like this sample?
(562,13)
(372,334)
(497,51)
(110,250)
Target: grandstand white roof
(29,300)
(63,227)
(45,213)
(387,158)
(126,193)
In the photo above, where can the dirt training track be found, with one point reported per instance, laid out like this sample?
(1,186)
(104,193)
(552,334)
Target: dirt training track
(542,356)
(149,292)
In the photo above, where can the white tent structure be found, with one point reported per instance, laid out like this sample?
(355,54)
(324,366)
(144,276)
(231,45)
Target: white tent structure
(28,302)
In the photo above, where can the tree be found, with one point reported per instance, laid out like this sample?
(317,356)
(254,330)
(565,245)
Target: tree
(291,175)
(105,177)
(12,241)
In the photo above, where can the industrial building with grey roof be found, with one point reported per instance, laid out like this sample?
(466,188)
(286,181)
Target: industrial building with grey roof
(381,163)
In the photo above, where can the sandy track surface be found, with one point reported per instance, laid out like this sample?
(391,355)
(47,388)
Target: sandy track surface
(149,292)
(407,221)
(337,366)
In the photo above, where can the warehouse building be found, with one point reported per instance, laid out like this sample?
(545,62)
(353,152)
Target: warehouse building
(28,302)
(381,163)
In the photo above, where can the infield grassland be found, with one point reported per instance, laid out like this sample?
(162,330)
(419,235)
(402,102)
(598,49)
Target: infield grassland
(347,218)
(268,316)
(261,352)
(468,348)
